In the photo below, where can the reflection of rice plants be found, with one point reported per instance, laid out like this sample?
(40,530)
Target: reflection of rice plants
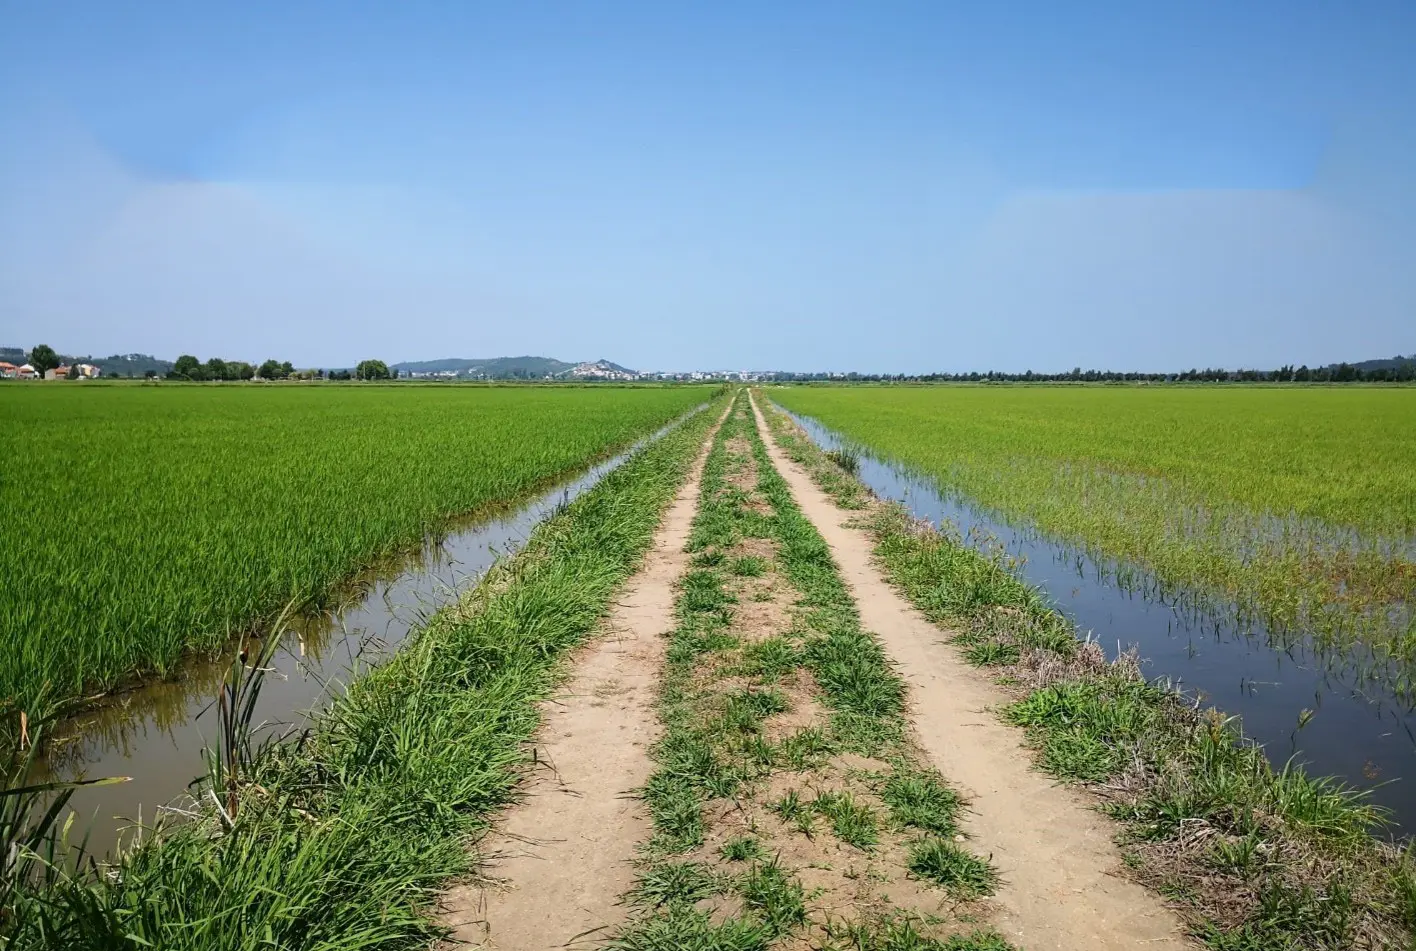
(1296,506)
(185,515)
(847,459)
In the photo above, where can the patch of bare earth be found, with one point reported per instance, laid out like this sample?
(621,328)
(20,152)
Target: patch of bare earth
(556,863)
(1063,885)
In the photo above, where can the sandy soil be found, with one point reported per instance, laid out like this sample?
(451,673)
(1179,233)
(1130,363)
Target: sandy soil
(1056,857)
(560,858)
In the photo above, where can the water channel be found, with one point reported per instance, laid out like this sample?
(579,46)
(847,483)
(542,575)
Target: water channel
(156,733)
(1360,731)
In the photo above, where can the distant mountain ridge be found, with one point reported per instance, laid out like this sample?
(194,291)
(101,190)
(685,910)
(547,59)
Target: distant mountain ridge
(491,367)
(1392,363)
(512,368)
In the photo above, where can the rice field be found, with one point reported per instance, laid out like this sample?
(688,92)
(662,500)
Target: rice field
(1294,507)
(144,522)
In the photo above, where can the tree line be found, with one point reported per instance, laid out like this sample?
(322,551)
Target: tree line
(189,367)
(1403,371)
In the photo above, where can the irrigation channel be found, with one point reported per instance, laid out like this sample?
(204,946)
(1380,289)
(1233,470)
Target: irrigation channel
(1359,731)
(155,733)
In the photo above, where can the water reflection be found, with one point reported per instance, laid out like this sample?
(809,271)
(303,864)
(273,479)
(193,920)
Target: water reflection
(1362,731)
(155,734)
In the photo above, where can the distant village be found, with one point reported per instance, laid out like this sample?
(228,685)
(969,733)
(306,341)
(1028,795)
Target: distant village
(78,371)
(604,370)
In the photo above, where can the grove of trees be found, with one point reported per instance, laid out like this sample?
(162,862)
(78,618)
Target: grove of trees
(372,370)
(189,367)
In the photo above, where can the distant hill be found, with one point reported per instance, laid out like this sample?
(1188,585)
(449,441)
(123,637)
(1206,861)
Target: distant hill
(126,364)
(492,368)
(515,368)
(1392,363)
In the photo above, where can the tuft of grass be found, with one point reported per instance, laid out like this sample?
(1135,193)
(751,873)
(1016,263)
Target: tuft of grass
(846,459)
(899,933)
(944,863)
(851,821)
(742,849)
(749,566)
(808,748)
(667,883)
(774,897)
(690,929)
(920,800)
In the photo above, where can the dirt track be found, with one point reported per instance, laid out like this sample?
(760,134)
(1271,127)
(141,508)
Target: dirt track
(1055,854)
(560,858)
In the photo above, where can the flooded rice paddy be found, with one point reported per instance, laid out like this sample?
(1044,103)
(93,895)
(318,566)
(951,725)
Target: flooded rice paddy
(1357,727)
(156,734)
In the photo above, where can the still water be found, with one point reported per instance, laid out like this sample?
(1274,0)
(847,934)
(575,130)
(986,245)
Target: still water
(1361,732)
(156,734)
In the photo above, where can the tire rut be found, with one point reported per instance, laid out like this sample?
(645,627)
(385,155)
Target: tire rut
(558,860)
(1060,869)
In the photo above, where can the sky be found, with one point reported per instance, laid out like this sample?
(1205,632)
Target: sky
(888,187)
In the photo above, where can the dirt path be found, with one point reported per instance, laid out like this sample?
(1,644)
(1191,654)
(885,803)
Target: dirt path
(1060,888)
(561,857)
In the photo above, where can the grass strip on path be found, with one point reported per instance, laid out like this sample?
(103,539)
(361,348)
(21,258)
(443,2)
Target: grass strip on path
(344,840)
(789,803)
(1255,858)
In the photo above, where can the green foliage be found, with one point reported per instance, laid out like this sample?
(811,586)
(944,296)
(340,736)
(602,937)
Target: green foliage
(749,566)
(1294,503)
(920,800)
(944,863)
(43,358)
(851,820)
(343,841)
(371,370)
(742,849)
(194,513)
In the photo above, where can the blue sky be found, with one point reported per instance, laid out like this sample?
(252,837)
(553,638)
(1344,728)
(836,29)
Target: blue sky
(883,186)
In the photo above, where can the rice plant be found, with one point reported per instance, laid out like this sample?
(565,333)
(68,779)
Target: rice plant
(149,521)
(1296,507)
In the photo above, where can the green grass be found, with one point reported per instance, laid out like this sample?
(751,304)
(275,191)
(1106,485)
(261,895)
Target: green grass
(346,839)
(1256,858)
(945,864)
(1298,505)
(143,522)
(718,692)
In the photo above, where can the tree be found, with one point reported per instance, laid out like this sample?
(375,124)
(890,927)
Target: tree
(286,369)
(269,370)
(188,366)
(73,373)
(371,370)
(216,369)
(43,359)
(149,374)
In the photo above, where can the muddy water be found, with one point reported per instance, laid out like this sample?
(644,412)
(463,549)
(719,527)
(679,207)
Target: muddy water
(1360,732)
(156,734)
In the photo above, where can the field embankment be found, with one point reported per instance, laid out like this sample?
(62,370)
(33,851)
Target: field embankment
(1293,507)
(553,868)
(790,804)
(344,839)
(1253,857)
(149,521)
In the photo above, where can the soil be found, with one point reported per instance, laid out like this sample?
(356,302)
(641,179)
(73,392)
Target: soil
(557,863)
(1061,885)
